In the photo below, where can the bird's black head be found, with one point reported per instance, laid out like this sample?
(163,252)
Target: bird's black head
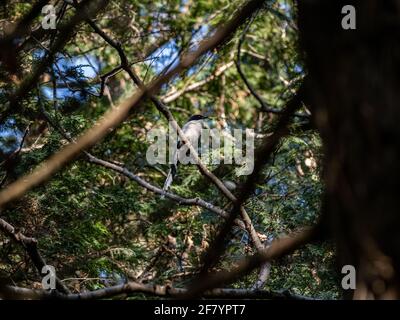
(197,117)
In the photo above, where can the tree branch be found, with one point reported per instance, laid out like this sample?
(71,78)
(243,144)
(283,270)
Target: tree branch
(117,115)
(30,245)
(263,104)
(65,33)
(261,158)
(131,288)
(180,200)
(164,110)
(124,171)
(175,94)
(278,248)
(8,163)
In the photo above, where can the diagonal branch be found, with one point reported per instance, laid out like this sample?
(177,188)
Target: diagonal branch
(261,158)
(203,169)
(30,246)
(278,248)
(65,34)
(180,200)
(263,104)
(22,27)
(124,171)
(117,115)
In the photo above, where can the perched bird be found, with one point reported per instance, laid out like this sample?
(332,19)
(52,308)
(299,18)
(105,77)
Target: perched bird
(192,130)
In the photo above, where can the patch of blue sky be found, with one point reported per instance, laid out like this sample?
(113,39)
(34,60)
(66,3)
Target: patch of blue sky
(164,57)
(62,93)
(87,67)
(90,65)
(198,35)
(183,6)
(10,136)
(9,122)
(206,61)
(298,69)
(283,5)
(38,54)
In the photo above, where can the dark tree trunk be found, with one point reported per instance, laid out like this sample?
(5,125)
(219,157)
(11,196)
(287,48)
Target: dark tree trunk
(354,90)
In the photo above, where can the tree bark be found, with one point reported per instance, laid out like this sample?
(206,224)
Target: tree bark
(353,87)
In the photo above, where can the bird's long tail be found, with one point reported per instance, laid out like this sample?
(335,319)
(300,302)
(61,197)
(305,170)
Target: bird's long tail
(170,177)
